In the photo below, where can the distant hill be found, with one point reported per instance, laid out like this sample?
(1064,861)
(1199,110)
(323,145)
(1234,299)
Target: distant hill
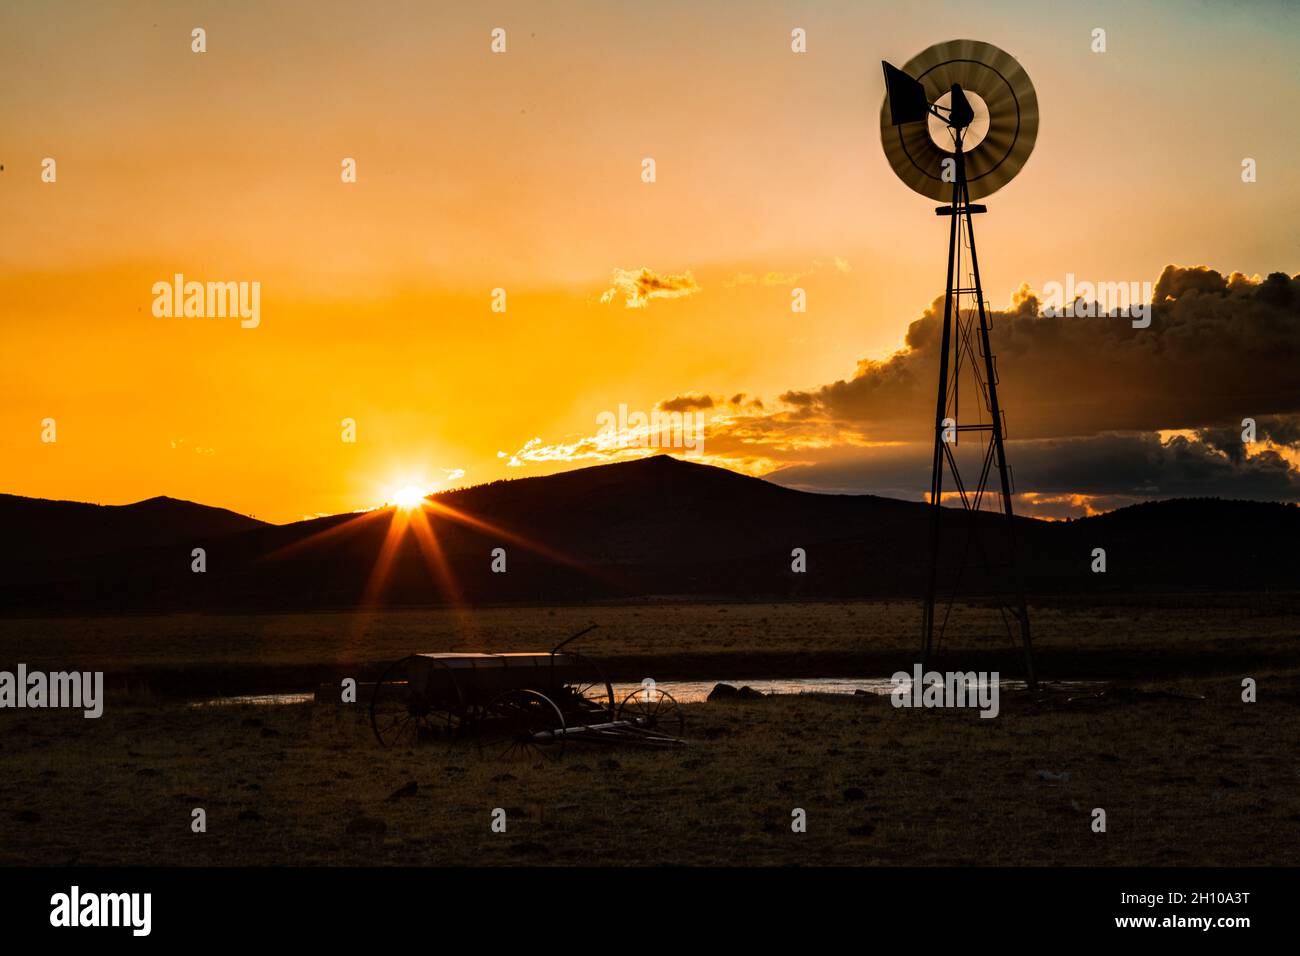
(651,527)
(38,530)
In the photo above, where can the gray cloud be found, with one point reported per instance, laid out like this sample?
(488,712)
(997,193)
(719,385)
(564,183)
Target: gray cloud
(1110,469)
(1217,350)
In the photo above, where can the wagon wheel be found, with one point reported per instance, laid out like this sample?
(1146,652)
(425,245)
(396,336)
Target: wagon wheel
(521,724)
(655,710)
(593,689)
(403,712)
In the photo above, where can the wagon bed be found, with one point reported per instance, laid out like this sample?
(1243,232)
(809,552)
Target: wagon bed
(527,702)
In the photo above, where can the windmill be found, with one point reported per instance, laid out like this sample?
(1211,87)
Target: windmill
(958,122)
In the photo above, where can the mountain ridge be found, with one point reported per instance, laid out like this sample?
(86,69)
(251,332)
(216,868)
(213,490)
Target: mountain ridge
(657,525)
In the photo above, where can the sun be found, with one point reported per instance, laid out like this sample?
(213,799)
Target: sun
(408,497)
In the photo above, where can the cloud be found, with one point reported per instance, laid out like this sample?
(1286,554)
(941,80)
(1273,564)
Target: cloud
(788,278)
(1277,430)
(638,287)
(1217,350)
(1101,414)
(689,402)
(1134,466)
(694,401)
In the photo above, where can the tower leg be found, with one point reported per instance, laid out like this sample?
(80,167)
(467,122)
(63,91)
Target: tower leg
(936,473)
(961,215)
(1000,452)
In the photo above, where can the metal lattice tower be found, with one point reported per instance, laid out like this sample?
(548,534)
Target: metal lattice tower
(955,171)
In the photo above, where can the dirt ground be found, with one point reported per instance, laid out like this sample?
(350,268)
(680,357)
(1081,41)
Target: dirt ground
(1182,781)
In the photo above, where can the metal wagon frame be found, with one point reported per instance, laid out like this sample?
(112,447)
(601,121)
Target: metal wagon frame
(517,705)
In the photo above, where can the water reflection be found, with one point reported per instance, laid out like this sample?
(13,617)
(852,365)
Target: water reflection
(684,692)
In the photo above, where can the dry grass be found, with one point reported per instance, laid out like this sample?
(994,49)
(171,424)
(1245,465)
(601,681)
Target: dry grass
(180,654)
(1182,782)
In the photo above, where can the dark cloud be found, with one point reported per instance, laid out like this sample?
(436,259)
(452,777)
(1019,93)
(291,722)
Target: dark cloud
(692,401)
(1275,429)
(739,401)
(1217,350)
(687,403)
(1110,468)
(1087,400)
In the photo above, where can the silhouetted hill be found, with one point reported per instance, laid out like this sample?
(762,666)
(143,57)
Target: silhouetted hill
(37,530)
(651,527)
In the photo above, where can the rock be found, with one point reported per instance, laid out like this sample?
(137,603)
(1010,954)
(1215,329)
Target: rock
(27,816)
(855,793)
(748,693)
(866,829)
(1047,775)
(362,825)
(250,815)
(270,732)
(722,692)
(410,790)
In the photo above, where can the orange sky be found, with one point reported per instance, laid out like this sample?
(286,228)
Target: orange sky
(522,171)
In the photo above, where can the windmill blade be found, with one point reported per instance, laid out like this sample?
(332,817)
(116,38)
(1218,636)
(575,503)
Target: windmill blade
(1008,95)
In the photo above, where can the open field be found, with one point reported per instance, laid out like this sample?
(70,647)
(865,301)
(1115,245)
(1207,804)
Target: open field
(183,655)
(1209,781)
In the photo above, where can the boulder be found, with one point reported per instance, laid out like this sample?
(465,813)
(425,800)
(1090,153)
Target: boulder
(722,692)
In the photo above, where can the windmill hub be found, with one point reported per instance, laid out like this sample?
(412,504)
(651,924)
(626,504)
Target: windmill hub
(923,112)
(973,130)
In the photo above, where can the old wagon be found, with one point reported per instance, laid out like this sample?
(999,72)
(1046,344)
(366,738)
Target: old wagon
(517,705)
